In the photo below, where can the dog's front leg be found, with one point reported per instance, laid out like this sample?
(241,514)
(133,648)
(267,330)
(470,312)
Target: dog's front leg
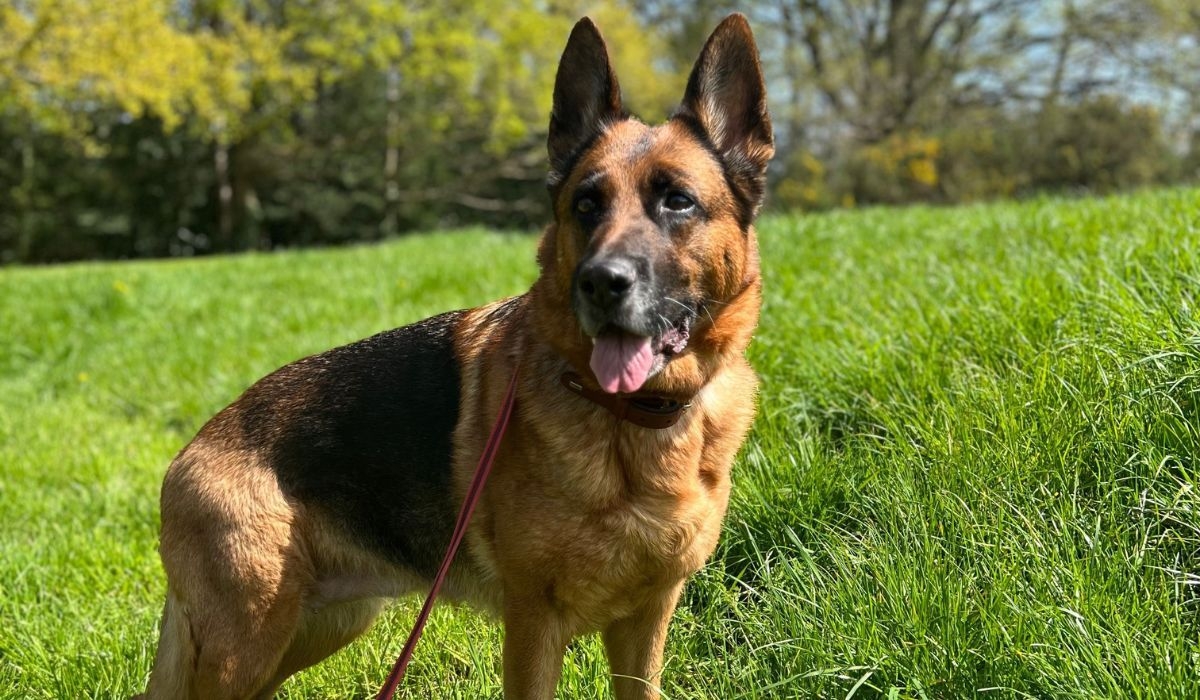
(635,647)
(535,639)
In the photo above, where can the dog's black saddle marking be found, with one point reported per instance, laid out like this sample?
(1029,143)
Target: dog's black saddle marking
(364,432)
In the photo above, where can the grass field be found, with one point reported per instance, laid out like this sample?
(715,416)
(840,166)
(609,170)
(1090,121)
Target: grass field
(975,469)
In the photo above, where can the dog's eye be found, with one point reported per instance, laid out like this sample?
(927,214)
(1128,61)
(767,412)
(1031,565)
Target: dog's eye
(677,201)
(585,205)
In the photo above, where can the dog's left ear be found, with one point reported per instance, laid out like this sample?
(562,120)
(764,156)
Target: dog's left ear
(727,101)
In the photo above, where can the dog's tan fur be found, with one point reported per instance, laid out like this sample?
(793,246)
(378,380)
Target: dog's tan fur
(588,523)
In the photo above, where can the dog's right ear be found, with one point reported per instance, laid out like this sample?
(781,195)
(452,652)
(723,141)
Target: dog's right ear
(586,96)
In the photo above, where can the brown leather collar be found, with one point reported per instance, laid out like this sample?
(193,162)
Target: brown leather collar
(645,410)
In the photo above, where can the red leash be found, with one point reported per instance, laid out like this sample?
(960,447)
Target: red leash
(460,530)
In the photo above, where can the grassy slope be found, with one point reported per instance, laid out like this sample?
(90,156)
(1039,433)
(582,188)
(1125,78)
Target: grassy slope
(975,467)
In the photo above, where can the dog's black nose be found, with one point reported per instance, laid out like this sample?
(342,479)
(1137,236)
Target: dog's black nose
(605,282)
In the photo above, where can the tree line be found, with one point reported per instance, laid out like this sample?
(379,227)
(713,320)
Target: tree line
(156,128)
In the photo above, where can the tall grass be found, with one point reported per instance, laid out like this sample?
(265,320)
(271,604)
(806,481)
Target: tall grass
(974,470)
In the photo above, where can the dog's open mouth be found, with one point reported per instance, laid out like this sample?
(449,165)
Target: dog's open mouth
(623,361)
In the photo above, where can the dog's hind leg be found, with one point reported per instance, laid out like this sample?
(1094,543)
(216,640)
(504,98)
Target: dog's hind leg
(210,655)
(237,570)
(176,655)
(320,634)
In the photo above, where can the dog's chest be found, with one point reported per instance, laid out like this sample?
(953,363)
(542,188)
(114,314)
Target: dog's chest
(667,535)
(618,519)
(609,558)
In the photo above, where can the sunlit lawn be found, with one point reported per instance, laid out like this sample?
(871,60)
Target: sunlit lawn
(974,470)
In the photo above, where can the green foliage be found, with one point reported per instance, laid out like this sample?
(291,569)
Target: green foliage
(974,469)
(149,127)
(1098,146)
(1190,168)
(291,123)
(1102,145)
(989,157)
(69,59)
(983,99)
(900,168)
(803,184)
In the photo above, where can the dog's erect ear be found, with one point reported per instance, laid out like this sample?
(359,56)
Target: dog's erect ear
(727,101)
(586,95)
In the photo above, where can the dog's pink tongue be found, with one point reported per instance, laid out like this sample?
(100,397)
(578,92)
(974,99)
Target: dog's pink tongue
(621,361)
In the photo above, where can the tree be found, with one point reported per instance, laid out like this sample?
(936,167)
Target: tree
(886,66)
(80,68)
(322,121)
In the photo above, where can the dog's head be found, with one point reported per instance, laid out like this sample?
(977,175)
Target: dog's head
(652,247)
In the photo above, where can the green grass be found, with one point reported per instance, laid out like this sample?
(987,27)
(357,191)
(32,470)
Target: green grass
(975,469)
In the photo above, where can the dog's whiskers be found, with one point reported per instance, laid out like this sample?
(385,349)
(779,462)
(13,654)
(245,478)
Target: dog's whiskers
(680,303)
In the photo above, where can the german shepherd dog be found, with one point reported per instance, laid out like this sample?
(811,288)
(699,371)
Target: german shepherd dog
(333,483)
